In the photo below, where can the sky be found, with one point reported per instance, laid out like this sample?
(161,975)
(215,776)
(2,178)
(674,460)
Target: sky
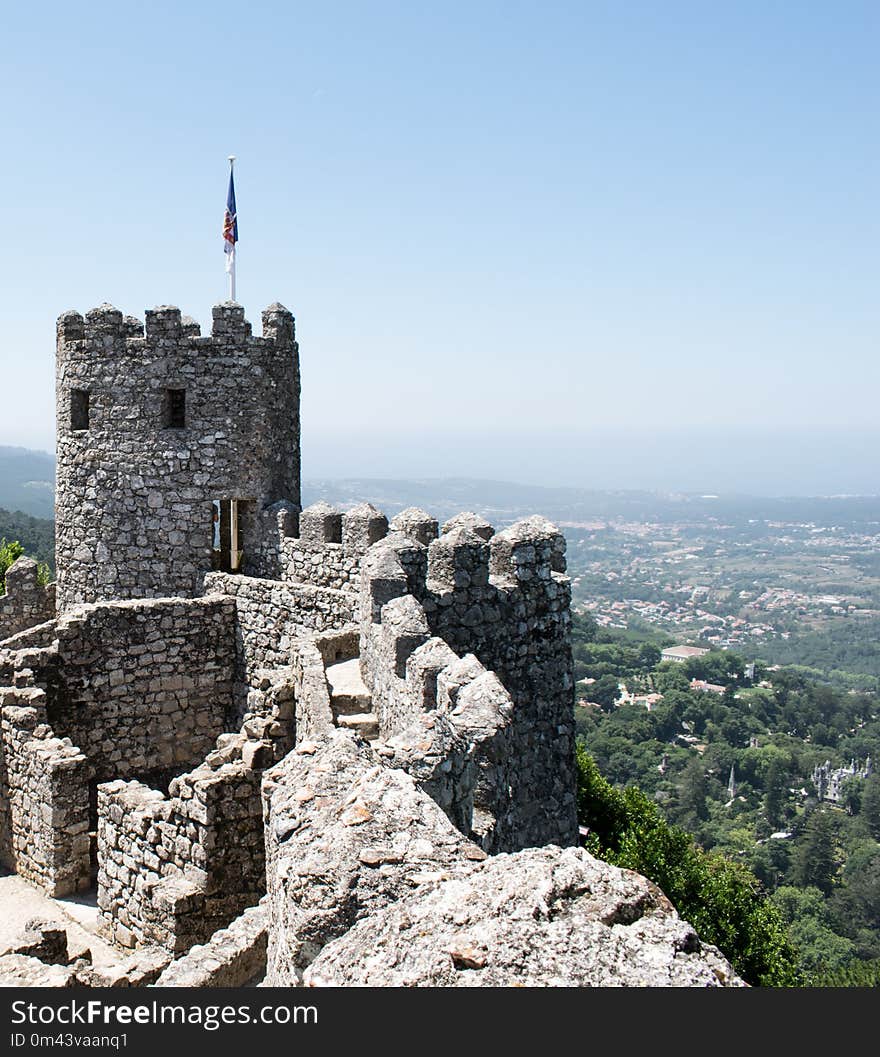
(603,244)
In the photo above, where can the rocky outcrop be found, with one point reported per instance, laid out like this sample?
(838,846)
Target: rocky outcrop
(369,883)
(345,837)
(547,917)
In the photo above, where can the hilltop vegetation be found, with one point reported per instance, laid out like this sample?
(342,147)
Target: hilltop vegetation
(36,536)
(734,770)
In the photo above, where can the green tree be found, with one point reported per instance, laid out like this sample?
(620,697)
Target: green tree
(9,553)
(816,857)
(775,781)
(692,791)
(605,692)
(851,795)
(871,805)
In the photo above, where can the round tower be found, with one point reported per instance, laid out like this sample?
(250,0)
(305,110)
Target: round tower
(169,447)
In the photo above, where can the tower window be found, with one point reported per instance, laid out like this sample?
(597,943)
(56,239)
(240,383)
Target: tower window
(175,409)
(79,409)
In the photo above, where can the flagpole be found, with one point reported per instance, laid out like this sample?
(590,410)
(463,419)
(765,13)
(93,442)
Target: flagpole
(232,269)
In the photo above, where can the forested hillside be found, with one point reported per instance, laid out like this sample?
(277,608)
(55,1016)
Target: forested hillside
(730,760)
(36,535)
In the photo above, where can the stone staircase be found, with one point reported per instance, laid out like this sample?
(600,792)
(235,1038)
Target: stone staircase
(350,700)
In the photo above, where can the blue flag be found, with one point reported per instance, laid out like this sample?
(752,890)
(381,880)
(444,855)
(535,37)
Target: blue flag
(230,226)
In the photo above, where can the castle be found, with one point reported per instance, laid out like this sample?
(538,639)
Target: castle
(830,781)
(257,729)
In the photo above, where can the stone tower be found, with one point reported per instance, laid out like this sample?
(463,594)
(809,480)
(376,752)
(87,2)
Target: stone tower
(169,447)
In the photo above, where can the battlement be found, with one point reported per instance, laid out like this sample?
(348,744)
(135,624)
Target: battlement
(105,329)
(503,600)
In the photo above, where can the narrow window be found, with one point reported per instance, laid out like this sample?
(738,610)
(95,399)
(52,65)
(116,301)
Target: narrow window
(175,409)
(79,409)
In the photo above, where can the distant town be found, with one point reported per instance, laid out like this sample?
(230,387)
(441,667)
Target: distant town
(736,584)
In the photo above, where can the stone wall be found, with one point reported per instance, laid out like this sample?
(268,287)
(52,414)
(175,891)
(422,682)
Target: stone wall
(446,721)
(506,601)
(143,686)
(271,614)
(321,546)
(44,796)
(135,492)
(172,870)
(233,957)
(543,917)
(26,602)
(344,836)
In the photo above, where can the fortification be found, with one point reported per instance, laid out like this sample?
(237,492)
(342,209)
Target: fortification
(169,447)
(248,725)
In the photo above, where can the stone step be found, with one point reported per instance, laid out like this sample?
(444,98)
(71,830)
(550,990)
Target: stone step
(350,704)
(364,723)
(348,695)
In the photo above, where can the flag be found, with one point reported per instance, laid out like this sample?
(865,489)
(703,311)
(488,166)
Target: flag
(230,226)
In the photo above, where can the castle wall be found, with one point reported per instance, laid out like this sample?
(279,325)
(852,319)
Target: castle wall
(272,613)
(343,839)
(320,547)
(135,490)
(506,601)
(44,797)
(26,602)
(143,686)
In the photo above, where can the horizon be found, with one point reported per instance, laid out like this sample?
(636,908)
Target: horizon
(339,468)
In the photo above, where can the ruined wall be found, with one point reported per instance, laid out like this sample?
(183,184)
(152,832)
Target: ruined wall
(44,796)
(143,686)
(26,601)
(506,601)
(234,956)
(134,514)
(172,870)
(446,721)
(343,838)
(368,882)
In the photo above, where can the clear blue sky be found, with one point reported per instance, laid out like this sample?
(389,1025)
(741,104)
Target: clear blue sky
(510,223)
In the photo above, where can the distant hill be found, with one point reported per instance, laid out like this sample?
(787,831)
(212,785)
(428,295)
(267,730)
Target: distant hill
(503,501)
(27,481)
(36,535)
(27,484)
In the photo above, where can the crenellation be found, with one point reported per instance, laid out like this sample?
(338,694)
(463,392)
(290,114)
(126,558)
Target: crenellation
(415,523)
(458,560)
(320,523)
(164,323)
(467,519)
(362,526)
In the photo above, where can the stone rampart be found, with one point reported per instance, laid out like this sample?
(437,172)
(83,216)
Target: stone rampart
(505,600)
